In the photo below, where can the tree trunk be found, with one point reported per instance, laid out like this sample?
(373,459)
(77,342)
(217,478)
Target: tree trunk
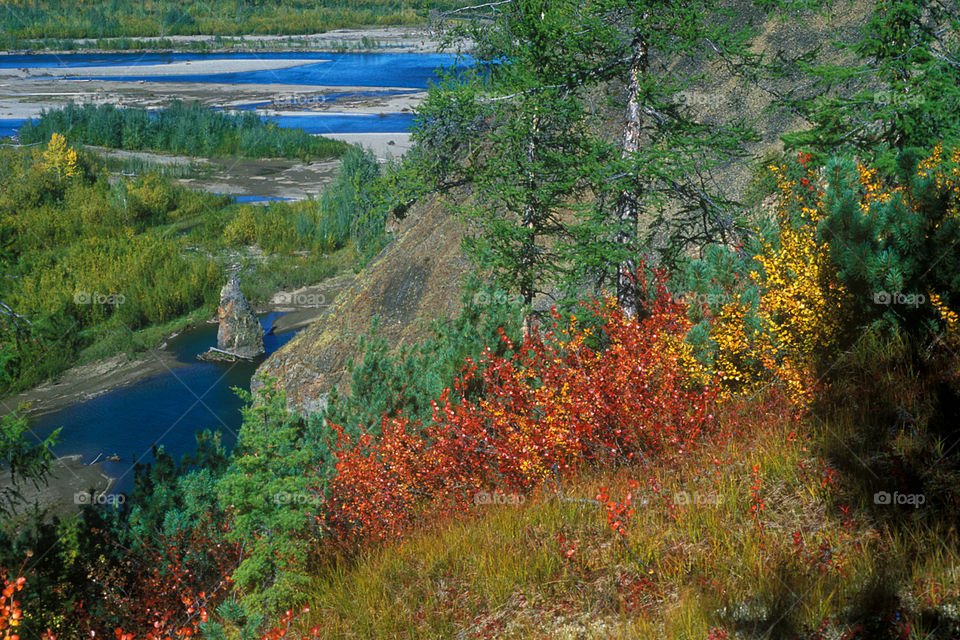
(528,259)
(627,207)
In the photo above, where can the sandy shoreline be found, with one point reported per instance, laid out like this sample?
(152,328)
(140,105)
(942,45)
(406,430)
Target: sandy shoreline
(383,145)
(28,97)
(185,67)
(69,485)
(307,304)
(87,381)
(401,39)
(26,93)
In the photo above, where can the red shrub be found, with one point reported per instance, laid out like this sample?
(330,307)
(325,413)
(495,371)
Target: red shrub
(168,590)
(552,407)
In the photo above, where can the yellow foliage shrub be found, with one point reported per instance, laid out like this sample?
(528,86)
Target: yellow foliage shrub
(60,159)
(801,304)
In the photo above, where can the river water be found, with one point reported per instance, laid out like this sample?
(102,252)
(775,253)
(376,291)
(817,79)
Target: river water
(165,410)
(169,409)
(411,71)
(408,70)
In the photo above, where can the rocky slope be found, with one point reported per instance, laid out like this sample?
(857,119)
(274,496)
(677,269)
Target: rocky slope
(414,280)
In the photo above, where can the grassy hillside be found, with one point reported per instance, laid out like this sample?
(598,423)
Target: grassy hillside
(756,438)
(758,536)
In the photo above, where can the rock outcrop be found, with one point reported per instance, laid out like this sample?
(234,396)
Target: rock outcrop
(240,334)
(417,278)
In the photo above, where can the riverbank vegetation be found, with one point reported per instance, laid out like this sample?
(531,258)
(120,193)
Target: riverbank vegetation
(93,263)
(25,20)
(736,421)
(84,258)
(191,129)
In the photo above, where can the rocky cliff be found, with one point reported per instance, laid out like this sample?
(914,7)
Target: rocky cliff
(417,277)
(240,333)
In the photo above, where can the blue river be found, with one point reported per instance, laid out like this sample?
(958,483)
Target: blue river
(408,70)
(170,408)
(166,410)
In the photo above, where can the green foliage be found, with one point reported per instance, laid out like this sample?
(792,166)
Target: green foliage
(85,259)
(92,261)
(525,189)
(409,380)
(60,19)
(895,249)
(58,551)
(353,208)
(564,205)
(900,92)
(169,496)
(450,125)
(188,129)
(21,460)
(272,496)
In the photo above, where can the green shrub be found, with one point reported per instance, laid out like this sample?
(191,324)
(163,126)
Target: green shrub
(187,129)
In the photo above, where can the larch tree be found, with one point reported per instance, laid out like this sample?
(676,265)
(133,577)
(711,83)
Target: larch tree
(655,173)
(899,91)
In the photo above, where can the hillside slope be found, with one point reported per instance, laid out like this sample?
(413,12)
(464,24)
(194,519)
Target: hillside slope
(416,278)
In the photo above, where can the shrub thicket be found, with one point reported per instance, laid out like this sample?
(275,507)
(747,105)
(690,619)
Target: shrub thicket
(187,129)
(58,19)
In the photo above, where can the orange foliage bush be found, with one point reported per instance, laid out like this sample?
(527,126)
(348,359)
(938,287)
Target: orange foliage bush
(10,612)
(552,407)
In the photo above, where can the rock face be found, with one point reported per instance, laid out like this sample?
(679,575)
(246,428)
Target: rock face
(240,333)
(417,278)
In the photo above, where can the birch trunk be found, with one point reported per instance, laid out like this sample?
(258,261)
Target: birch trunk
(529,253)
(627,204)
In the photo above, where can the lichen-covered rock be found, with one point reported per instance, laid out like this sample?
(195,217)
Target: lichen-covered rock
(417,278)
(240,332)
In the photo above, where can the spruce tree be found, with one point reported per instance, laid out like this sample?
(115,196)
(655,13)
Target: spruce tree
(900,92)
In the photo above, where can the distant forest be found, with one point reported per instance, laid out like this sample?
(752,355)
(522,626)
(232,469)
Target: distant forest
(29,19)
(191,129)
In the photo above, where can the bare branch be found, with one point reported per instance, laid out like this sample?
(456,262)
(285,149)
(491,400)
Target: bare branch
(475,7)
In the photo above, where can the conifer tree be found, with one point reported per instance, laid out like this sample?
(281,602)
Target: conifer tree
(901,91)
(896,250)
(560,54)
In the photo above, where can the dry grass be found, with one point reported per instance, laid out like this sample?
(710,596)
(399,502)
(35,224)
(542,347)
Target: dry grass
(809,561)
